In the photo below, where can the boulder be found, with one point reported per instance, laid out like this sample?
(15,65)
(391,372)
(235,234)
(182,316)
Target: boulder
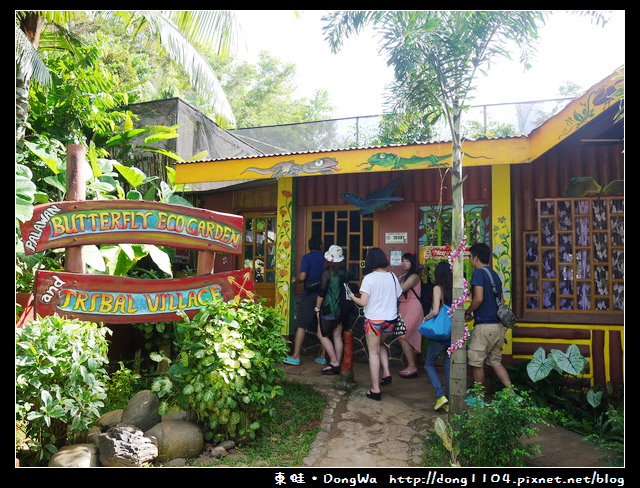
(142,410)
(177,439)
(109,419)
(126,446)
(104,423)
(75,456)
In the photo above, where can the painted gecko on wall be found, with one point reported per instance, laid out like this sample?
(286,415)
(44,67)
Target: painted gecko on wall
(393,161)
(291,168)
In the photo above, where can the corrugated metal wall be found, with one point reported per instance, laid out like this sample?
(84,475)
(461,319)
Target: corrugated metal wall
(549,177)
(417,186)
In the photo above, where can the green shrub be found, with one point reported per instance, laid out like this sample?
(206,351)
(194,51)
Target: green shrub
(492,433)
(224,369)
(123,384)
(60,382)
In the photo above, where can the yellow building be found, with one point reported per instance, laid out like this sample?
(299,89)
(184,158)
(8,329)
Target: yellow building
(550,205)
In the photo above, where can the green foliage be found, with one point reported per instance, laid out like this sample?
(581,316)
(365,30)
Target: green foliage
(123,384)
(446,434)
(607,431)
(60,381)
(224,371)
(571,362)
(284,439)
(82,99)
(492,433)
(596,412)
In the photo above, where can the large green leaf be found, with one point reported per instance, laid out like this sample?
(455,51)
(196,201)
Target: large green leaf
(160,258)
(571,361)
(540,365)
(134,176)
(51,160)
(25,193)
(94,258)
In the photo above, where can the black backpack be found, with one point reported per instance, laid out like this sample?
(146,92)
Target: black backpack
(426,296)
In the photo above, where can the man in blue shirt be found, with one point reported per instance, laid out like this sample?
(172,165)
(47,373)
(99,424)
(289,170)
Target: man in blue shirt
(488,332)
(310,270)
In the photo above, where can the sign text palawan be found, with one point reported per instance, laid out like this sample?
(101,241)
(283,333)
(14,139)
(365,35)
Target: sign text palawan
(68,224)
(114,299)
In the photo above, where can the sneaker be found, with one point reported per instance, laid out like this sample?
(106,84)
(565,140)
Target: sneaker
(291,361)
(442,401)
(471,400)
(320,360)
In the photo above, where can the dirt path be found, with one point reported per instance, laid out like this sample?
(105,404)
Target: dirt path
(359,432)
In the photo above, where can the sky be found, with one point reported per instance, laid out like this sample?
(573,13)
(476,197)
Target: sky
(571,48)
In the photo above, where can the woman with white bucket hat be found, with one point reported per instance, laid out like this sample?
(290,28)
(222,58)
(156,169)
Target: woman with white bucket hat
(330,307)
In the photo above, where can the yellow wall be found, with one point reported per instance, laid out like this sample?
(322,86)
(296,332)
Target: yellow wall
(284,246)
(501,232)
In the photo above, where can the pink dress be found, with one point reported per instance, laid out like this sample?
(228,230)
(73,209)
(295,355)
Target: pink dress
(411,311)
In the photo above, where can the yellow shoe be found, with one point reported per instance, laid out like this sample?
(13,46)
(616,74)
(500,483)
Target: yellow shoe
(441,402)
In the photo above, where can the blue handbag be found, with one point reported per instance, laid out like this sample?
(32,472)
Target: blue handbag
(437,328)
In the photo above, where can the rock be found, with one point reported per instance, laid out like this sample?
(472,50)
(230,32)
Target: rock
(75,456)
(227,445)
(93,434)
(109,419)
(174,413)
(142,410)
(126,446)
(176,463)
(177,439)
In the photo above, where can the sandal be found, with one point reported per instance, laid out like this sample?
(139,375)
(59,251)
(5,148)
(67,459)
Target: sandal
(407,374)
(386,380)
(374,396)
(331,369)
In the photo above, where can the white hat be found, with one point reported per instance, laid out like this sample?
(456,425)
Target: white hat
(334,254)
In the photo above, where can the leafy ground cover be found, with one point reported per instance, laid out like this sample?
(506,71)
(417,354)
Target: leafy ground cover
(286,439)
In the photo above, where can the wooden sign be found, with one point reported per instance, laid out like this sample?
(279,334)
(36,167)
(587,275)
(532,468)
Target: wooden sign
(120,300)
(69,224)
(433,253)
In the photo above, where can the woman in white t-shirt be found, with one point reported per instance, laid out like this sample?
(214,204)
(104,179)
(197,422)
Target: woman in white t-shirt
(379,292)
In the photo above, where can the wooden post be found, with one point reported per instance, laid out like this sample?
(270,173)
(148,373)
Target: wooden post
(347,356)
(76,190)
(206,262)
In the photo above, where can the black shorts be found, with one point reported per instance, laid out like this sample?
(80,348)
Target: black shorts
(305,315)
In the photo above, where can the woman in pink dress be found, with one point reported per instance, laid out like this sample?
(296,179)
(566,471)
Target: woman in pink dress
(411,311)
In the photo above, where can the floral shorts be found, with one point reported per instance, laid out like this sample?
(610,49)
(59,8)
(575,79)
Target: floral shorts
(377,327)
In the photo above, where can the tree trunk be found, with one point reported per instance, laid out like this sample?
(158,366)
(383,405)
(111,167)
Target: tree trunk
(458,380)
(31,25)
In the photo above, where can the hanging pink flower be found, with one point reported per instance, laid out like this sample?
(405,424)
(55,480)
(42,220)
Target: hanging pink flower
(459,302)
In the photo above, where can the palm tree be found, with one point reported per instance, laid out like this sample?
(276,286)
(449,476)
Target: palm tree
(435,55)
(182,34)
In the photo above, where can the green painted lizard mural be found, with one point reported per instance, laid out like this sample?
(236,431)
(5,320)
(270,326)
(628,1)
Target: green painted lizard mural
(393,161)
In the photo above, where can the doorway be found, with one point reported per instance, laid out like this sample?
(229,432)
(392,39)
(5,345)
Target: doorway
(347,228)
(259,252)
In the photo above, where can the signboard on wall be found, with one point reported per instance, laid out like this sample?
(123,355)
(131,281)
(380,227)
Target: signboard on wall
(395,238)
(68,224)
(437,253)
(116,299)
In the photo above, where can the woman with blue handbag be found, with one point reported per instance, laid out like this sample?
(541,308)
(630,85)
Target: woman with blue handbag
(442,295)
